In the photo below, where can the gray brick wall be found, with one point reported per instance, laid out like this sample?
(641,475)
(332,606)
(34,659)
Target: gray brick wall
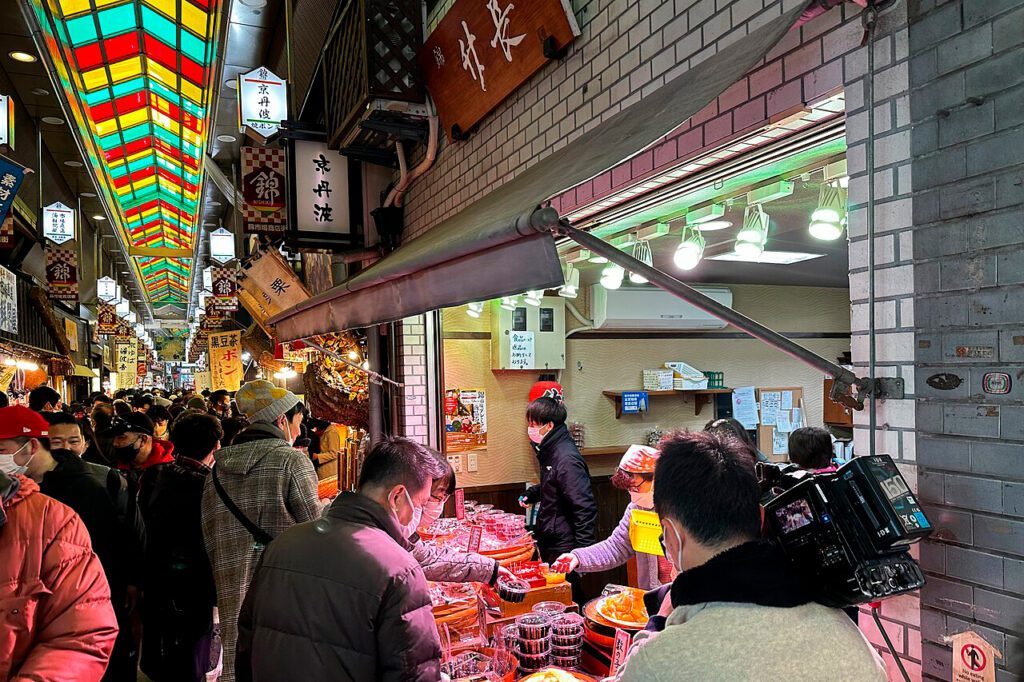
(967,138)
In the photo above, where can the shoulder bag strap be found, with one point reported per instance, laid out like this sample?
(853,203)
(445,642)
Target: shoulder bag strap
(261,536)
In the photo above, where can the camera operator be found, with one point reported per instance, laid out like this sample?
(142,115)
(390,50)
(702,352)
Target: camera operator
(737,610)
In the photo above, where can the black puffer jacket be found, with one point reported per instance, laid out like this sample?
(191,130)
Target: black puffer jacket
(568,513)
(338,599)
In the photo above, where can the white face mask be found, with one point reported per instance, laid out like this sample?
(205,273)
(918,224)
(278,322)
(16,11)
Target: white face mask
(642,500)
(432,511)
(9,467)
(677,560)
(410,528)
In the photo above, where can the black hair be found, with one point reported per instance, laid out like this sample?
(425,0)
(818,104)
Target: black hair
(447,473)
(810,447)
(195,435)
(5,400)
(218,394)
(296,409)
(706,482)
(44,441)
(143,400)
(41,395)
(159,413)
(205,393)
(121,408)
(398,461)
(102,398)
(546,411)
(731,427)
(232,427)
(102,415)
(57,418)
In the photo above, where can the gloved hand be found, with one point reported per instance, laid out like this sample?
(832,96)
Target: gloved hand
(567,563)
(522,501)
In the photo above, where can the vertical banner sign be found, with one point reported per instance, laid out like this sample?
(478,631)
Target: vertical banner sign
(226,361)
(11,175)
(225,288)
(58,223)
(6,121)
(8,301)
(272,286)
(619,649)
(71,329)
(126,363)
(460,504)
(7,232)
(202,381)
(321,189)
(106,319)
(262,103)
(264,209)
(62,274)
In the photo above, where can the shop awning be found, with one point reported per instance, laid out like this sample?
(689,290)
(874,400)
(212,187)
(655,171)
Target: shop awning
(83,371)
(499,245)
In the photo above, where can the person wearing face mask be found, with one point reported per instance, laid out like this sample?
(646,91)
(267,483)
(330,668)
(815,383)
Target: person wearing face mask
(260,486)
(444,564)
(161,417)
(138,454)
(635,475)
(64,476)
(737,605)
(342,598)
(568,513)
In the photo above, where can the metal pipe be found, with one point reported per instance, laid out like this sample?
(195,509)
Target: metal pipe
(687,293)
(375,423)
(288,56)
(870,21)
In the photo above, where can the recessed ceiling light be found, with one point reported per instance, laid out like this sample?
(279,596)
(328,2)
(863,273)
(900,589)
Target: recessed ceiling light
(99,217)
(770,257)
(24,57)
(226,138)
(712,225)
(40,92)
(87,195)
(231,84)
(52,120)
(253,4)
(215,203)
(73,164)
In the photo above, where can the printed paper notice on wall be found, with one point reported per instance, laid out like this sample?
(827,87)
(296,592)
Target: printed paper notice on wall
(744,407)
(521,350)
(780,443)
(770,402)
(465,419)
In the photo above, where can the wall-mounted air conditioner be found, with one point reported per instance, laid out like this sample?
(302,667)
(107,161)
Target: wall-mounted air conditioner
(648,307)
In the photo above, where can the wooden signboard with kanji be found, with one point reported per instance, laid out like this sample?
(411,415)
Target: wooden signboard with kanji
(481,52)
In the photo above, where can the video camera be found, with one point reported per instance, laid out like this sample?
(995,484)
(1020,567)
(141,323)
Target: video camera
(848,531)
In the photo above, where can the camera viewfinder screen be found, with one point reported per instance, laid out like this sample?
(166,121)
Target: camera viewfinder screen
(794,516)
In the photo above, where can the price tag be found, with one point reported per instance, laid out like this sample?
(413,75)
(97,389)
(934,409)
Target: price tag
(619,650)
(475,534)
(460,504)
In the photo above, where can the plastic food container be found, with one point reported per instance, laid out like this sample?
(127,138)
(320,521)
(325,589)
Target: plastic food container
(510,635)
(513,590)
(567,624)
(534,647)
(532,663)
(567,652)
(551,608)
(566,641)
(534,626)
(567,663)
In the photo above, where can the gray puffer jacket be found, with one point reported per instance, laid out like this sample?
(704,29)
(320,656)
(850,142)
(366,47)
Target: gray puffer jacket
(442,564)
(339,599)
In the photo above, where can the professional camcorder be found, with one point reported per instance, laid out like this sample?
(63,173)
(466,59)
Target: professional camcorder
(848,531)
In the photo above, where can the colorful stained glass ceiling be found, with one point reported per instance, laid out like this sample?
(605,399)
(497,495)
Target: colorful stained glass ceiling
(138,76)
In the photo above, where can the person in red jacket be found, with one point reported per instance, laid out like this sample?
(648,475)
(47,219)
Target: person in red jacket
(56,622)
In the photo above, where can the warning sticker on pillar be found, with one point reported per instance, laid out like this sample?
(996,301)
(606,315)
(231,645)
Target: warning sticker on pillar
(225,357)
(62,274)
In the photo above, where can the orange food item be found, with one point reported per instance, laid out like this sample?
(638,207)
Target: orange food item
(625,607)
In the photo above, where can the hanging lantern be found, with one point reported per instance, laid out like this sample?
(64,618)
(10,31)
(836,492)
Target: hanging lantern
(106,289)
(222,246)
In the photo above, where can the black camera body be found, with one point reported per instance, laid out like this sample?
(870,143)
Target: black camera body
(848,531)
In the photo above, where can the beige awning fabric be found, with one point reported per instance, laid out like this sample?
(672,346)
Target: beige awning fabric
(83,371)
(490,248)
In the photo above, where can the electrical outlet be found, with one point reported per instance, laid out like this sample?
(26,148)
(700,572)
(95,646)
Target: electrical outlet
(473,463)
(456,462)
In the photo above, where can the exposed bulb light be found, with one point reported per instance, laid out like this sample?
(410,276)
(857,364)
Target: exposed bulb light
(748,250)
(287,373)
(509,302)
(642,252)
(246,356)
(26,365)
(611,276)
(473,309)
(352,355)
(571,287)
(827,219)
(690,250)
(99,218)
(533,298)
(10,362)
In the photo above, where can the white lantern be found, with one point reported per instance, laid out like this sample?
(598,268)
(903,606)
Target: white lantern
(122,307)
(222,245)
(208,279)
(106,289)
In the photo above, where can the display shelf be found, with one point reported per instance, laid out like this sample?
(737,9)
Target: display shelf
(605,451)
(701,397)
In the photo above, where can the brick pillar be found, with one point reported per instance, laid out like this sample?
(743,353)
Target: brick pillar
(894,283)
(967,106)
(412,368)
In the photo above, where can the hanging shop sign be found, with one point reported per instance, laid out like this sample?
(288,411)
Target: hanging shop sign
(264,182)
(222,245)
(11,175)
(6,121)
(71,329)
(8,301)
(262,103)
(318,190)
(58,223)
(481,52)
(465,420)
(225,288)
(106,289)
(106,319)
(7,373)
(62,274)
(202,381)
(126,363)
(7,232)
(226,361)
(270,285)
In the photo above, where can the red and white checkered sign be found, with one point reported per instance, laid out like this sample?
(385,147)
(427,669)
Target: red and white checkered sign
(225,288)
(62,274)
(264,177)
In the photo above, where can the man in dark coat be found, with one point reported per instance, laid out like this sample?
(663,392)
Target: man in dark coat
(178,608)
(341,598)
(568,513)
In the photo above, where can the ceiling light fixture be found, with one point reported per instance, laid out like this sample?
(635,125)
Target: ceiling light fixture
(597,259)
(52,120)
(753,236)
(473,309)
(769,257)
(642,252)
(690,250)
(713,225)
(533,297)
(227,138)
(705,214)
(99,218)
(73,164)
(40,92)
(611,276)
(23,57)
(87,195)
(571,287)
(509,302)
(827,219)
(231,84)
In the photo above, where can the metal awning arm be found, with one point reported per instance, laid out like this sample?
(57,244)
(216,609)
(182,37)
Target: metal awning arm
(844,378)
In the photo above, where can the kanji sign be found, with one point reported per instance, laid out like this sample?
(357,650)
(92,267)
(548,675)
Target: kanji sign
(268,286)
(263,190)
(58,223)
(8,301)
(482,51)
(225,288)
(225,355)
(106,319)
(62,274)
(222,245)
(11,175)
(126,363)
(321,189)
(7,232)
(262,103)
(6,120)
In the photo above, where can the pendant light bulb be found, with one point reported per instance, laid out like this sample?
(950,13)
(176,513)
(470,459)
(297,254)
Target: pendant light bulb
(827,219)
(642,252)
(533,298)
(611,276)
(690,250)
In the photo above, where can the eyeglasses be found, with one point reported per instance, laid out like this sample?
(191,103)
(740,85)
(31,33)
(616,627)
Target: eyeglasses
(440,500)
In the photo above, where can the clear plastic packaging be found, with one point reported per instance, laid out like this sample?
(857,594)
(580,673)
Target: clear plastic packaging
(567,624)
(534,626)
(551,608)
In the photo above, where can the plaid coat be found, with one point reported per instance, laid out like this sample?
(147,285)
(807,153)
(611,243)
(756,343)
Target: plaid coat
(274,485)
